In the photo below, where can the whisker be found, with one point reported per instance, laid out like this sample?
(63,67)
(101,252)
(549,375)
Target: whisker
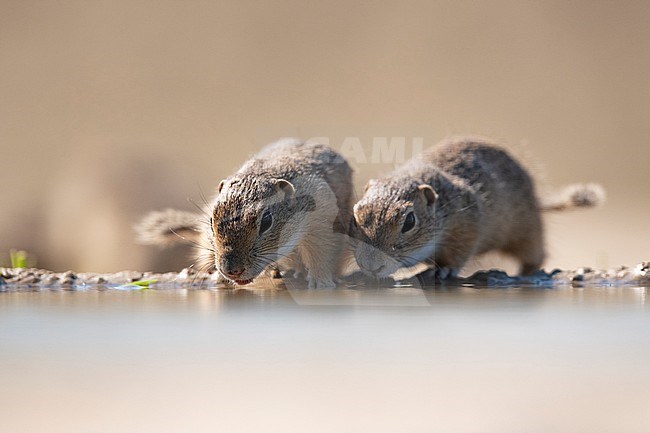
(203,198)
(189,241)
(202,209)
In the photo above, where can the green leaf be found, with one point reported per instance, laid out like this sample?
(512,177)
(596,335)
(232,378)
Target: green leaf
(18,258)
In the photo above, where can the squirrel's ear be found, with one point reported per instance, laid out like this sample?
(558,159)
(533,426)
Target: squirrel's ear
(369,185)
(220,187)
(285,187)
(428,193)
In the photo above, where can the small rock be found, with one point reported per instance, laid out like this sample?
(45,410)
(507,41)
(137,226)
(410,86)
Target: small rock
(66,282)
(68,275)
(50,280)
(28,279)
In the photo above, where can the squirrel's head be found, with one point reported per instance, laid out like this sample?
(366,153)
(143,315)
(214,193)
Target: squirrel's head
(249,225)
(393,225)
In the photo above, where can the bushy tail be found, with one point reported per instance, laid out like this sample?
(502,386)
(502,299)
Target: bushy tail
(574,196)
(168,227)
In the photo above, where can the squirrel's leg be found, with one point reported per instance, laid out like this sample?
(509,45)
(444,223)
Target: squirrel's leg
(447,262)
(320,254)
(529,251)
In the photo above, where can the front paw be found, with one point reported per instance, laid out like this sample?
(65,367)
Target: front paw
(447,273)
(438,274)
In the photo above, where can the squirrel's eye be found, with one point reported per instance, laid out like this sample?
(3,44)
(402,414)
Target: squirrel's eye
(267,220)
(409,222)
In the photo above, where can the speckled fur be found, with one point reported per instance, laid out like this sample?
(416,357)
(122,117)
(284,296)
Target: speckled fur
(485,201)
(308,188)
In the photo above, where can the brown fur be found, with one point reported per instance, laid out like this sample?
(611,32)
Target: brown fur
(307,188)
(469,196)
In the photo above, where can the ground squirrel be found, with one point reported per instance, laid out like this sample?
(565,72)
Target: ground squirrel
(290,202)
(460,198)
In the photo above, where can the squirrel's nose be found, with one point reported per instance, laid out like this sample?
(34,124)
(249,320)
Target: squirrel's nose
(233,273)
(373,269)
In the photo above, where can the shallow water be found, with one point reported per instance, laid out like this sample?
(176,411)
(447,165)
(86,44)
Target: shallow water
(366,360)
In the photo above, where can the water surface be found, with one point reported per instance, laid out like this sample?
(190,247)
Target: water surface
(351,360)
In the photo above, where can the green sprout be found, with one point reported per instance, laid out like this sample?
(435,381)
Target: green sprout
(18,258)
(143,284)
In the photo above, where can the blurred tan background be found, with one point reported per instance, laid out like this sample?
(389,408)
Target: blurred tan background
(109,109)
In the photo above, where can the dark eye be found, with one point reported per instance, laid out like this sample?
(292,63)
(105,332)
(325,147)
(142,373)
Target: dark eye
(409,222)
(267,219)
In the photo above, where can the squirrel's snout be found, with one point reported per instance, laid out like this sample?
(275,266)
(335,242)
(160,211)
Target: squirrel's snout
(231,267)
(373,268)
(369,261)
(233,273)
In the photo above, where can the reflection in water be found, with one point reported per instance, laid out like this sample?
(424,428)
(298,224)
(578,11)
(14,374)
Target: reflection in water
(396,296)
(355,359)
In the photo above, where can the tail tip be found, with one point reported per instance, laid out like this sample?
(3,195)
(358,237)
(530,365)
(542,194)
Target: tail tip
(585,195)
